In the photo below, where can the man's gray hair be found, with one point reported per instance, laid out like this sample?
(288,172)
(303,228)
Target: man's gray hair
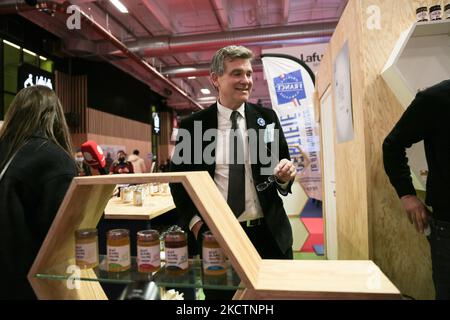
(230,52)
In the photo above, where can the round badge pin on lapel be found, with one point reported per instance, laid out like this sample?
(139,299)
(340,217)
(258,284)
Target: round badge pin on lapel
(261,122)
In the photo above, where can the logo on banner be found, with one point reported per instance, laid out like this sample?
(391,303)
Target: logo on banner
(289,87)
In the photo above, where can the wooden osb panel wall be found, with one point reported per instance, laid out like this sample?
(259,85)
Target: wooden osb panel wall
(371,221)
(398,249)
(351,198)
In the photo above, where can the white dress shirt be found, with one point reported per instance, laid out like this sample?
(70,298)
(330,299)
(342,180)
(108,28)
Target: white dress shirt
(253,208)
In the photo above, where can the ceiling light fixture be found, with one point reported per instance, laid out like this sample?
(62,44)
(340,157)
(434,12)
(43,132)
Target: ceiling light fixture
(119,5)
(192,77)
(205,91)
(11,44)
(43,58)
(29,52)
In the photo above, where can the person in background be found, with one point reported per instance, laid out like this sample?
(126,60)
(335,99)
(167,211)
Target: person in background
(137,162)
(82,167)
(426,119)
(109,161)
(36,169)
(121,165)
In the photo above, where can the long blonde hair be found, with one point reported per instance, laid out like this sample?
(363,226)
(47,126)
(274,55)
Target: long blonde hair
(35,110)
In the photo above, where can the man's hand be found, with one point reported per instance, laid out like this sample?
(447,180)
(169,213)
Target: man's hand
(417,212)
(284,171)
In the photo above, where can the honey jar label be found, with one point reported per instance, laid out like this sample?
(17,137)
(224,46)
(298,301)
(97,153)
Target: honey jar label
(148,257)
(177,258)
(137,200)
(213,259)
(435,15)
(86,253)
(118,257)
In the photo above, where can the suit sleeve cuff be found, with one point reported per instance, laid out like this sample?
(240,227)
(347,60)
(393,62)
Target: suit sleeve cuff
(404,188)
(283,186)
(193,221)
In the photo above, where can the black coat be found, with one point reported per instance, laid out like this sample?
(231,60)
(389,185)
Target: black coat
(271,203)
(425,119)
(31,192)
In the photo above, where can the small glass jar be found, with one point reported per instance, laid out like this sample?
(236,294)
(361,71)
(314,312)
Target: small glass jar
(436,13)
(127,195)
(164,188)
(154,188)
(148,251)
(118,250)
(422,14)
(175,246)
(214,262)
(447,11)
(86,248)
(137,197)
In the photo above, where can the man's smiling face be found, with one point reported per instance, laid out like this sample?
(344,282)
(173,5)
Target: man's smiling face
(235,84)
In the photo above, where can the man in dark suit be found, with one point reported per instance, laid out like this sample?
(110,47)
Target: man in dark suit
(240,145)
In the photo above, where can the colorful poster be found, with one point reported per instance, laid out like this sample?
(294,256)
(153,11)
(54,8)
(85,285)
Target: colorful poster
(311,54)
(291,88)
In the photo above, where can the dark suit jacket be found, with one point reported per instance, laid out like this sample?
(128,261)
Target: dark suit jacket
(271,204)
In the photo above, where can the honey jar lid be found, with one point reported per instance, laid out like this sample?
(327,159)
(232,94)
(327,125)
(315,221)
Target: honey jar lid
(148,235)
(208,236)
(178,235)
(436,7)
(118,233)
(86,233)
(421,9)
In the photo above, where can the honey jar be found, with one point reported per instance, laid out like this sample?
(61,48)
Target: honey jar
(214,262)
(435,13)
(118,250)
(148,251)
(86,248)
(422,14)
(137,197)
(175,243)
(127,195)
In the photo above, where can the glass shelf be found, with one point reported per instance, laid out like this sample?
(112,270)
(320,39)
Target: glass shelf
(193,278)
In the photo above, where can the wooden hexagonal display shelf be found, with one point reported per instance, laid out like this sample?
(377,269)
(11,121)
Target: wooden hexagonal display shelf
(420,59)
(87,197)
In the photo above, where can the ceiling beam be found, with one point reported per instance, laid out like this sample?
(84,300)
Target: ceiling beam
(159,15)
(221,13)
(285,10)
(198,70)
(163,45)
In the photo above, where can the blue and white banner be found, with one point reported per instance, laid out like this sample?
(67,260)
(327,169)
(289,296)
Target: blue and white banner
(291,88)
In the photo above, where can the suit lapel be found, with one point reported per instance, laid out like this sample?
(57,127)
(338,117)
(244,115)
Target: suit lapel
(209,121)
(251,118)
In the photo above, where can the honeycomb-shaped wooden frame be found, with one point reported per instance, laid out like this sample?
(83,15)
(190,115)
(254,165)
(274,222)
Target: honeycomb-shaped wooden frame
(87,197)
